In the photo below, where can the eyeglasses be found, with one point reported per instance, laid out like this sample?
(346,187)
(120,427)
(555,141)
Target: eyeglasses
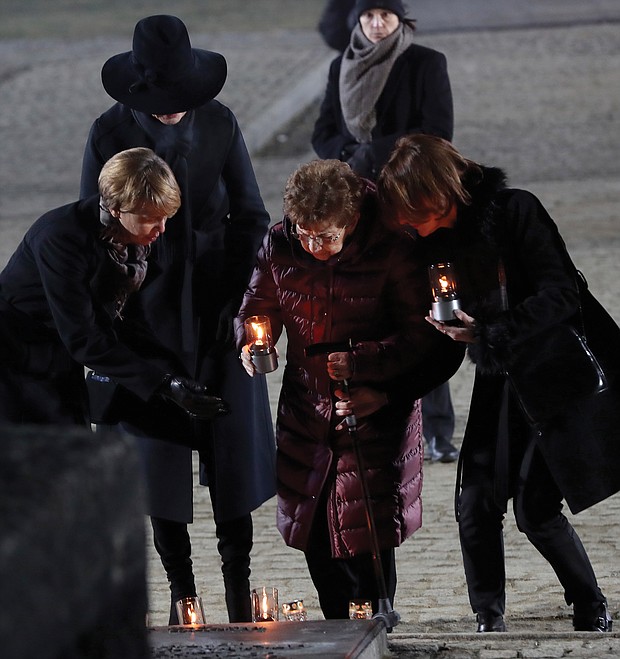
(318,240)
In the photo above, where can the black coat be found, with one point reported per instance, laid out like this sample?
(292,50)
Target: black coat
(57,309)
(197,277)
(581,446)
(417,98)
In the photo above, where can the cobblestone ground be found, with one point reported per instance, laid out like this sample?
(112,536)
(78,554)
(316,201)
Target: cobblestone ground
(542,103)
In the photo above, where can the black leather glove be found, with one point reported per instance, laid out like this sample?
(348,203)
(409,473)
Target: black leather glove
(362,161)
(192,397)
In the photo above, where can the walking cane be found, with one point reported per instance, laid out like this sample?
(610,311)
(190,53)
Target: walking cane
(385,612)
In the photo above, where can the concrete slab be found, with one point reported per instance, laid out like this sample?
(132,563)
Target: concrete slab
(328,639)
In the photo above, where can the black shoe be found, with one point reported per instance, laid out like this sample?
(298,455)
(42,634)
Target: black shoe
(432,453)
(487,622)
(449,452)
(597,621)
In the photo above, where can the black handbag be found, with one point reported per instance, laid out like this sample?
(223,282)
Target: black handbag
(553,370)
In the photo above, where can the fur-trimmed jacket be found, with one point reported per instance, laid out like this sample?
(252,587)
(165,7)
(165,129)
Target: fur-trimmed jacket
(512,226)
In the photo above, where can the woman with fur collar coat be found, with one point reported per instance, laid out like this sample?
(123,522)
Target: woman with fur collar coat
(463,212)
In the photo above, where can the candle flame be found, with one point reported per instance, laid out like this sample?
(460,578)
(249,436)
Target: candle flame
(265,606)
(444,283)
(259,332)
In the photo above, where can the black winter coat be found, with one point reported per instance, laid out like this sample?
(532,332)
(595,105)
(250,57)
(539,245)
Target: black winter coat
(582,446)
(199,271)
(57,315)
(417,98)
(374,293)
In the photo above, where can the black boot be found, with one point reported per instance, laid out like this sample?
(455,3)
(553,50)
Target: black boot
(487,622)
(432,453)
(234,546)
(592,618)
(447,451)
(173,545)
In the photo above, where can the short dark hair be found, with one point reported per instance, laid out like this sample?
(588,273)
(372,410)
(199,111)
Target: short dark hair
(423,172)
(323,190)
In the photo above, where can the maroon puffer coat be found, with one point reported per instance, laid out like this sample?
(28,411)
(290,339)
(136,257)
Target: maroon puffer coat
(376,294)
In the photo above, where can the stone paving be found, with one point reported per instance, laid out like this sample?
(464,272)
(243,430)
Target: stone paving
(543,103)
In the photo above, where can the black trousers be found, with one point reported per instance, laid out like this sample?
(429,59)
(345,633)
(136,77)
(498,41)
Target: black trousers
(438,413)
(339,580)
(537,504)
(234,543)
(173,545)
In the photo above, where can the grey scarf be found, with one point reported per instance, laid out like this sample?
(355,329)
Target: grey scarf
(129,261)
(363,73)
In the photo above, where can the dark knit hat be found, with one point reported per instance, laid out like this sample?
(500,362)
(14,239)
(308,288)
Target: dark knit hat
(163,74)
(395,6)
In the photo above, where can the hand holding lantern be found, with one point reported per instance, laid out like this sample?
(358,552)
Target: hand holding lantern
(260,343)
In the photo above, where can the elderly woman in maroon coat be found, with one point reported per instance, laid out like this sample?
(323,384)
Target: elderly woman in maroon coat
(330,272)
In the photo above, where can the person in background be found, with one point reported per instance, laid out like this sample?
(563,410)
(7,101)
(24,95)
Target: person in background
(515,279)
(165,92)
(330,272)
(63,293)
(384,86)
(336,22)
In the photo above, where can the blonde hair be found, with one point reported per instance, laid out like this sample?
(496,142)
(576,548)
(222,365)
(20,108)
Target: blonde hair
(323,191)
(423,173)
(136,179)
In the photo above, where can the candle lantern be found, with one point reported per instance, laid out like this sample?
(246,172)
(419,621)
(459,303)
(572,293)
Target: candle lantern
(294,611)
(265,605)
(259,338)
(190,611)
(444,291)
(360,609)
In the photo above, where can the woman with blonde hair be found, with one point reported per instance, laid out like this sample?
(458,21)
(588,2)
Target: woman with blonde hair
(63,295)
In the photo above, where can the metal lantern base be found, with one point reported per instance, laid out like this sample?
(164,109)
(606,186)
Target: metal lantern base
(265,363)
(444,310)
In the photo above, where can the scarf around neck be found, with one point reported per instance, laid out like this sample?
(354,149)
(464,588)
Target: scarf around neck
(128,260)
(363,73)
(173,144)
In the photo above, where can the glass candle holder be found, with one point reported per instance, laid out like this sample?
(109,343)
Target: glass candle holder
(360,609)
(265,605)
(444,291)
(190,611)
(294,611)
(260,340)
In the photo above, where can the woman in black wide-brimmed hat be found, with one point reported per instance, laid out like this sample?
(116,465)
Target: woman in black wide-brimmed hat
(165,92)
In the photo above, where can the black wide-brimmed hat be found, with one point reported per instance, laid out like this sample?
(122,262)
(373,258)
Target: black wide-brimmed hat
(163,74)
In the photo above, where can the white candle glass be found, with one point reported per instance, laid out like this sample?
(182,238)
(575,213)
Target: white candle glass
(190,611)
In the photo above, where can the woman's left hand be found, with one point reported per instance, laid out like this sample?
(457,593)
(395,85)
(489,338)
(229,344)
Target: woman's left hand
(361,401)
(464,333)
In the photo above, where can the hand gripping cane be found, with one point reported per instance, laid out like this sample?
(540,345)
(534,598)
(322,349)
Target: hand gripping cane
(385,611)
